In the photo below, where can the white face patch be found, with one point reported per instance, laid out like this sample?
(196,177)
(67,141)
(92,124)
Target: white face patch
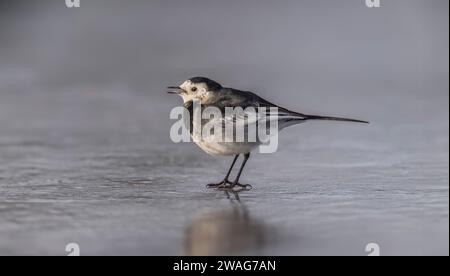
(197,91)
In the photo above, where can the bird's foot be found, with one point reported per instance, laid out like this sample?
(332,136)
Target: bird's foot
(226,185)
(221,185)
(237,187)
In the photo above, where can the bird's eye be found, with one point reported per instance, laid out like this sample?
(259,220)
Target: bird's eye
(193,89)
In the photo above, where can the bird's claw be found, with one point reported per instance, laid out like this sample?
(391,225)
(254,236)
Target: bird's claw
(241,187)
(221,185)
(230,186)
(236,188)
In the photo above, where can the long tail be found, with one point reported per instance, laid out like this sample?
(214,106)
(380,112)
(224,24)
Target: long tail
(327,118)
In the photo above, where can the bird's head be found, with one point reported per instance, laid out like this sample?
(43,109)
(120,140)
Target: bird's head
(198,88)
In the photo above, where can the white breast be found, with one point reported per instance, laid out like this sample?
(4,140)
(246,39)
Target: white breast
(215,145)
(225,149)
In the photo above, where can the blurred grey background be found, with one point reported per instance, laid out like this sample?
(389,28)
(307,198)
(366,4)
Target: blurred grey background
(85,153)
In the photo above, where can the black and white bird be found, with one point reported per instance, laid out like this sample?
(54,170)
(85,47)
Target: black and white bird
(211,94)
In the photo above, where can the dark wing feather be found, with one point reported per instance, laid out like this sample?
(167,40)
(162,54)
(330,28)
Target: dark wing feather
(245,99)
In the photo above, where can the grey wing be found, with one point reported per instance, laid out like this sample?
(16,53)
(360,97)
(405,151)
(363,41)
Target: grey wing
(267,111)
(247,112)
(236,98)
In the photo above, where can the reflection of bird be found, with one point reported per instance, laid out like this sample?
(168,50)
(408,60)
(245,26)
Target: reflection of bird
(223,232)
(211,94)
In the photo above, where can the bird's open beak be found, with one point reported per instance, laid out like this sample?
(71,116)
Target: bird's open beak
(174,90)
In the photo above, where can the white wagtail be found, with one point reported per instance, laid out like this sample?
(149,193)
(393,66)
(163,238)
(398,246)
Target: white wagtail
(210,93)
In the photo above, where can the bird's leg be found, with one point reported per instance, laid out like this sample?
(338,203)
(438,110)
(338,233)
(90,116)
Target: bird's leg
(236,181)
(225,181)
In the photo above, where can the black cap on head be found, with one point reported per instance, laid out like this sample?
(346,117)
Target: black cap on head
(212,85)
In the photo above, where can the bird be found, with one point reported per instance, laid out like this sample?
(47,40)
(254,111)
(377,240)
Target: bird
(210,93)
